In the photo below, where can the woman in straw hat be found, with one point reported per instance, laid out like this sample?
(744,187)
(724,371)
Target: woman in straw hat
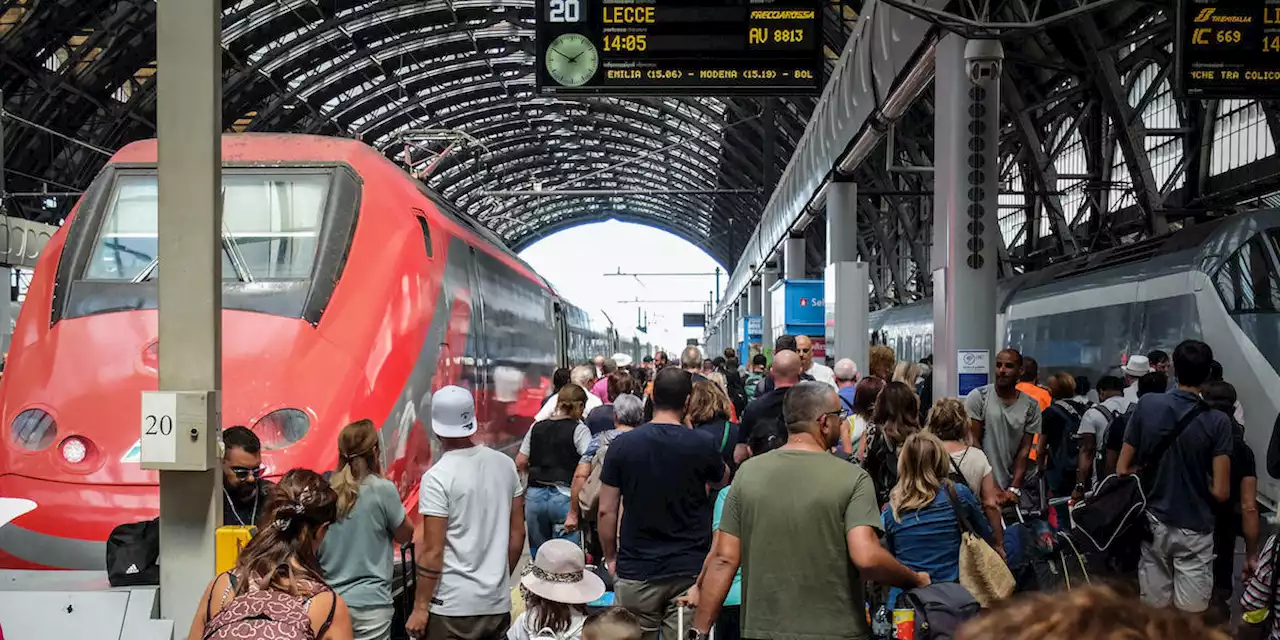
(556,588)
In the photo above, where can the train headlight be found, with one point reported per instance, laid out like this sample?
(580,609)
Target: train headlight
(282,427)
(75,449)
(33,429)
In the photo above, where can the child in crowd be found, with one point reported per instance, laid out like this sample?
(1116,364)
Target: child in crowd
(556,588)
(614,623)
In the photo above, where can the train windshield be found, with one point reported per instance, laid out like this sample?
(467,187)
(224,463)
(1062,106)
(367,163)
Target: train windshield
(1249,284)
(270,228)
(286,232)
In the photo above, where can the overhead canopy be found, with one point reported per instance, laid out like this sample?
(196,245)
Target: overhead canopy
(451,75)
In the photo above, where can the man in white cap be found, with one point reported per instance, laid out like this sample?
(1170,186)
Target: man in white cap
(1135,368)
(470,499)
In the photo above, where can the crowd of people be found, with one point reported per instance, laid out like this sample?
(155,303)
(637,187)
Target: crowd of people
(782,498)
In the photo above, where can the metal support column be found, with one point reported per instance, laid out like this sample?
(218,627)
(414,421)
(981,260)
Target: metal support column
(6,308)
(767,278)
(753,298)
(966,181)
(189,125)
(846,279)
(793,258)
(739,331)
(3,192)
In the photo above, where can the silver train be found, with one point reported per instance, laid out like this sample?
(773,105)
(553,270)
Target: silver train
(1218,282)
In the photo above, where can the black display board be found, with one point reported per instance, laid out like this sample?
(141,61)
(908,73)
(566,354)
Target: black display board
(680,47)
(1228,49)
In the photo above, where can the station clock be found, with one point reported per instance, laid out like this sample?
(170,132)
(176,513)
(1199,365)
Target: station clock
(572,59)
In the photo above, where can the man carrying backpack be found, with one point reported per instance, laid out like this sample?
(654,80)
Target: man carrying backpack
(762,420)
(1067,442)
(1174,442)
(1098,420)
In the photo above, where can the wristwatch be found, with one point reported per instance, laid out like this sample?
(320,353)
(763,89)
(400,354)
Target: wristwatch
(694,634)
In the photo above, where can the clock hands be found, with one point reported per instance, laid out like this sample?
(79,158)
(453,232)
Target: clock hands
(557,52)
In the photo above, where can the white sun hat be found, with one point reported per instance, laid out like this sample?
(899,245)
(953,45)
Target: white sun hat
(559,574)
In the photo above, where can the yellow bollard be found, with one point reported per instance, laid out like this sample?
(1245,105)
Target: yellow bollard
(230,541)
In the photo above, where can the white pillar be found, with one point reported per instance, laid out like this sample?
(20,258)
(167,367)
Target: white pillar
(966,184)
(845,280)
(189,124)
(767,277)
(753,298)
(793,258)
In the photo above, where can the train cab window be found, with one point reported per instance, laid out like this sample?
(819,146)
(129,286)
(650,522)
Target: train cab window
(1249,281)
(271,228)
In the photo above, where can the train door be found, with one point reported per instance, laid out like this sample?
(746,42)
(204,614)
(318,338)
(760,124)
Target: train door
(476,361)
(562,335)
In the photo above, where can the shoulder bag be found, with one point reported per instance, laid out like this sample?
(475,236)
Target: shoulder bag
(982,571)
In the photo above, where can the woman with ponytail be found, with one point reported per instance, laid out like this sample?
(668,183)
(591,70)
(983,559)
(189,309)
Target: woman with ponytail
(277,588)
(357,553)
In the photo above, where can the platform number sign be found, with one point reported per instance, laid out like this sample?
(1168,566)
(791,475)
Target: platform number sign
(159,412)
(159,425)
(564,11)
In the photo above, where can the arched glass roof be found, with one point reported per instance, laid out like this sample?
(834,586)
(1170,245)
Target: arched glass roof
(445,87)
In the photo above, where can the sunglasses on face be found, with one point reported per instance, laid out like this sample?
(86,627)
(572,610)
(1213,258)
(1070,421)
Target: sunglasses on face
(843,413)
(243,473)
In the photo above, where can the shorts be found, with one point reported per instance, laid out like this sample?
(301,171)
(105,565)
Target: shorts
(1176,568)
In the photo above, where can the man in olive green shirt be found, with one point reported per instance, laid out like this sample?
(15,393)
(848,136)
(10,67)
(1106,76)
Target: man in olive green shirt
(804,526)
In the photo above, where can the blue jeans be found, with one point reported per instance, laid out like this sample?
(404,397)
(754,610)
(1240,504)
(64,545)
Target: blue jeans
(545,509)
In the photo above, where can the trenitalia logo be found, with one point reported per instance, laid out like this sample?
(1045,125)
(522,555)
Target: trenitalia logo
(1208,15)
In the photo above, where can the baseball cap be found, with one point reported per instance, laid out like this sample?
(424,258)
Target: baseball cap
(453,413)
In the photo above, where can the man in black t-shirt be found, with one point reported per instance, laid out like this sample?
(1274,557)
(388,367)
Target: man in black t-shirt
(661,471)
(1238,516)
(762,420)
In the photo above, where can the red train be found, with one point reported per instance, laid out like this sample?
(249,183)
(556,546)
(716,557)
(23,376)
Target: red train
(350,291)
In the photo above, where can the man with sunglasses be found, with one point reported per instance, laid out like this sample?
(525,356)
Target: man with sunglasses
(814,571)
(244,490)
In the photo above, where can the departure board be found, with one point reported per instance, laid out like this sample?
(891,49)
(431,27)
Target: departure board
(1228,49)
(686,47)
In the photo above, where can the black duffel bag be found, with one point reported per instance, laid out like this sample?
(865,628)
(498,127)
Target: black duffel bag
(133,554)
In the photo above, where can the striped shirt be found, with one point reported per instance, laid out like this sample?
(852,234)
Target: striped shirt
(1257,592)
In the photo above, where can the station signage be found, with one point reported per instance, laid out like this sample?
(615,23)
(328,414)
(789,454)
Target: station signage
(685,47)
(1228,49)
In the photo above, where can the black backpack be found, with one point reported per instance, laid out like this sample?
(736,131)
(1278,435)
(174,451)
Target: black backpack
(767,434)
(881,463)
(940,609)
(133,554)
(1065,447)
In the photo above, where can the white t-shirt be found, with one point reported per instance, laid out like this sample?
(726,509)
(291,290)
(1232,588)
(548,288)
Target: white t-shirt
(1095,422)
(474,489)
(974,466)
(549,407)
(522,629)
(1130,394)
(822,373)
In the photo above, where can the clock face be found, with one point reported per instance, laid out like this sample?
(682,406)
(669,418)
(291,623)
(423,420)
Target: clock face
(572,60)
